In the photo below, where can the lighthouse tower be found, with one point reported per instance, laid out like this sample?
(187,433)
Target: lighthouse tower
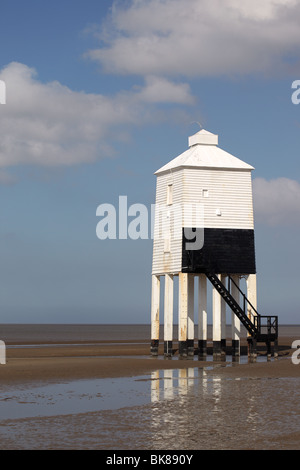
(204,229)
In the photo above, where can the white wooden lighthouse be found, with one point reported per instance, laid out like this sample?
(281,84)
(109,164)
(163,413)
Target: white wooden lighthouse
(204,228)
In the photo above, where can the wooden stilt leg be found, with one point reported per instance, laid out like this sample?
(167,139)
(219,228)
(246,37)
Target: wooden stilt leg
(202,316)
(155,315)
(168,315)
(183,314)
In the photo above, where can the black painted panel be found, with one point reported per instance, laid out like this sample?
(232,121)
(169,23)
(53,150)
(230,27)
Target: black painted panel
(229,251)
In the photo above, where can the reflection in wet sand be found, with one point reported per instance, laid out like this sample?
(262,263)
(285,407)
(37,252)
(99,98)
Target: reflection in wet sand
(210,411)
(175,382)
(194,408)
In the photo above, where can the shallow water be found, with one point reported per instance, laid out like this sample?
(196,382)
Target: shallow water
(195,408)
(81,396)
(78,396)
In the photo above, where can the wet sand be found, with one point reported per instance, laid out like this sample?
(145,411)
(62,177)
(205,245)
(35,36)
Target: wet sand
(238,414)
(52,363)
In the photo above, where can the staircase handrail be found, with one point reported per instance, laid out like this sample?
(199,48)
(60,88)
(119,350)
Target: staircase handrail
(244,296)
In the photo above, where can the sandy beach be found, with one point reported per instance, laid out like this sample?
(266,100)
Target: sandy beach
(36,363)
(222,405)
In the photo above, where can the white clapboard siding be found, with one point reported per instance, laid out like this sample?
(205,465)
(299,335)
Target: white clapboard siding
(168,224)
(229,193)
(210,189)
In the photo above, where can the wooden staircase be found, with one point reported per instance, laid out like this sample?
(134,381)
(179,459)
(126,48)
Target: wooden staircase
(261,328)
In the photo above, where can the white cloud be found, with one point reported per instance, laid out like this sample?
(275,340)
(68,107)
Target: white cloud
(160,90)
(51,125)
(276,202)
(199,38)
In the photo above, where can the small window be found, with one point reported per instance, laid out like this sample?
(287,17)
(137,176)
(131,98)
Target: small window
(170,194)
(205,193)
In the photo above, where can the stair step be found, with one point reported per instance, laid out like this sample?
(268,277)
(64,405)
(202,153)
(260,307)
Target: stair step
(231,302)
(236,308)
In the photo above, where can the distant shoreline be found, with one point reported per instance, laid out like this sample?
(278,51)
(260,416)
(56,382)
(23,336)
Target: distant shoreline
(57,352)
(55,363)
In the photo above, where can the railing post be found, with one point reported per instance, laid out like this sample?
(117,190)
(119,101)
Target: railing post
(269,325)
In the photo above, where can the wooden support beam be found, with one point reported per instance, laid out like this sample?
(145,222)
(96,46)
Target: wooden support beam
(183,314)
(216,323)
(223,320)
(168,315)
(202,315)
(235,322)
(155,300)
(190,321)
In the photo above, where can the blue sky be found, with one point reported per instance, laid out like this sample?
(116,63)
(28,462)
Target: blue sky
(99,95)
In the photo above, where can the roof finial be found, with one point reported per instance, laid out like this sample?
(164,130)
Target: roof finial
(197,122)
